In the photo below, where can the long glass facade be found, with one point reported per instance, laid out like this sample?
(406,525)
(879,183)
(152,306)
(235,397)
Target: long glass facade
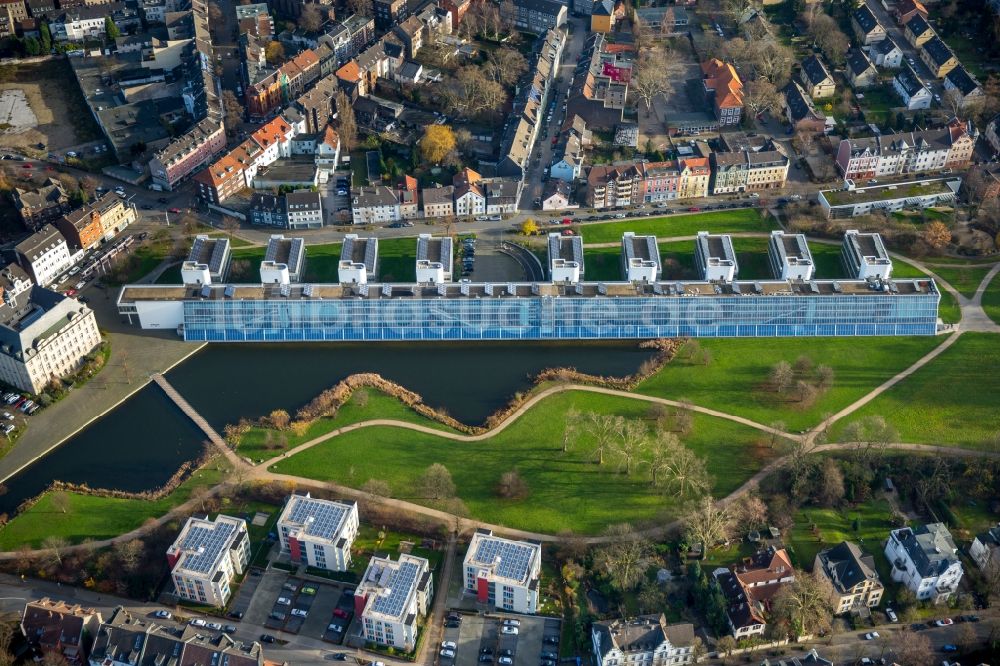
(562,318)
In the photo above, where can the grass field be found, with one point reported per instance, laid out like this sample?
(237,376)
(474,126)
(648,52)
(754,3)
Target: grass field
(379,406)
(733,381)
(397,259)
(567,490)
(170,276)
(965,280)
(951,400)
(321,263)
(89,517)
(745,219)
(991,299)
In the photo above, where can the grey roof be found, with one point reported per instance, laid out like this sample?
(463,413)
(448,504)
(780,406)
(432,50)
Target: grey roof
(930,547)
(400,585)
(550,7)
(716,246)
(885,46)
(643,634)
(210,251)
(29,317)
(288,251)
(799,106)
(303,199)
(40,242)
(204,543)
(49,194)
(434,249)
(918,25)
(858,62)
(937,50)
(379,195)
(269,202)
(815,70)
(865,18)
(513,560)
(569,248)
(962,80)
(641,247)
(846,566)
(867,245)
(810,658)
(990,538)
(908,81)
(323,519)
(438,195)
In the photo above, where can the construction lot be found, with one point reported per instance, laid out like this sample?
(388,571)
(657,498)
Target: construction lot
(481,641)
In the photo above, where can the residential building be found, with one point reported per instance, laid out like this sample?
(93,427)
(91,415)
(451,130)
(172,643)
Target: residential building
(565,258)
(457,8)
(723,90)
(44,255)
(866,27)
(860,70)
(789,257)
(938,57)
(647,639)
(374,204)
(864,256)
(15,10)
(695,173)
(911,90)
(411,32)
(885,53)
(43,334)
(923,151)
(557,195)
(918,32)
(535,16)
(408,196)
(284,260)
(317,532)
(42,205)
(856,201)
(504,573)
(502,195)
(97,221)
(391,599)
(55,626)
(600,87)
(664,21)
(602,16)
(470,199)
(358,260)
(816,78)
(749,587)
(715,258)
(925,560)
(206,556)
(279,87)
(640,258)
(614,186)
(729,172)
(907,9)
(438,201)
(267,210)
(985,548)
(661,181)
(964,84)
(993,134)
(208,262)
(434,259)
(767,169)
(567,159)
(188,153)
(389,13)
(852,575)
(800,112)
(303,210)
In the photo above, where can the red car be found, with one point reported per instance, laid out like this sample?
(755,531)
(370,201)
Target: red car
(693,209)
(566,220)
(338,612)
(71,292)
(175,210)
(26,166)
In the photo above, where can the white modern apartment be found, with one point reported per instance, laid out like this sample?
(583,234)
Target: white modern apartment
(925,559)
(503,573)
(645,641)
(206,556)
(318,532)
(392,597)
(864,256)
(44,255)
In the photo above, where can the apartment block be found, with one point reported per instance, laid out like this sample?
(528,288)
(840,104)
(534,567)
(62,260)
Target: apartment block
(640,258)
(565,258)
(715,258)
(852,575)
(864,256)
(60,628)
(206,556)
(789,257)
(925,560)
(317,532)
(504,573)
(284,260)
(44,255)
(207,262)
(646,640)
(434,259)
(45,204)
(391,599)
(100,220)
(186,154)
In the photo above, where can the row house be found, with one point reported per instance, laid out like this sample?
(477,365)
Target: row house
(662,181)
(39,206)
(938,57)
(45,254)
(411,32)
(816,78)
(615,186)
(470,195)
(470,199)
(96,222)
(949,147)
(885,53)
(647,182)
(749,170)
(911,90)
(314,109)
(600,86)
(723,90)
(283,85)
(349,37)
(236,170)
(535,16)
(646,640)
(860,70)
(918,31)
(866,26)
(173,163)
(695,174)
(964,84)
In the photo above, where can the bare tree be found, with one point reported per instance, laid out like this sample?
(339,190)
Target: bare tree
(708,523)
(230,225)
(913,649)
(360,7)
(781,376)
(603,427)
(653,76)
(771,60)
(678,469)
(871,436)
(761,95)
(233,110)
(55,544)
(129,554)
(829,489)
(571,429)
(436,482)
(376,488)
(804,606)
(625,559)
(512,486)
(311,18)
(347,126)
(630,435)
(749,512)
(953,101)
(505,65)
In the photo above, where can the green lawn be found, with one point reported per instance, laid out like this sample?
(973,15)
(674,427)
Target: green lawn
(951,400)
(379,406)
(397,259)
(733,381)
(567,490)
(991,299)
(170,276)
(965,280)
(89,517)
(746,219)
(371,540)
(321,263)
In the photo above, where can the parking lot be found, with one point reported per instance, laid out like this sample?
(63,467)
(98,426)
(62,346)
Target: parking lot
(282,602)
(490,640)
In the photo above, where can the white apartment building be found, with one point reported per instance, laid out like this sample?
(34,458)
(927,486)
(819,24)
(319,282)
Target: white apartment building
(434,259)
(503,573)
(374,204)
(358,260)
(925,560)
(206,556)
(645,641)
(207,262)
(303,210)
(715,257)
(640,258)
(469,200)
(43,334)
(392,597)
(565,258)
(317,532)
(864,256)
(44,255)
(985,548)
(789,257)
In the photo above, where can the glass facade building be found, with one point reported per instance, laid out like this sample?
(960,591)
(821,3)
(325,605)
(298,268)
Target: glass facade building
(560,318)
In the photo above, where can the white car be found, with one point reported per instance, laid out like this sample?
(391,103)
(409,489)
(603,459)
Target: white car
(754,195)
(284,601)
(298,612)
(505,661)
(214,626)
(449,645)
(871,636)
(892,615)
(198,622)
(507,629)
(511,622)
(70,154)
(449,654)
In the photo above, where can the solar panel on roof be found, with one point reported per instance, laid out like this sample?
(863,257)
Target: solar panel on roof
(203,545)
(511,559)
(318,518)
(399,585)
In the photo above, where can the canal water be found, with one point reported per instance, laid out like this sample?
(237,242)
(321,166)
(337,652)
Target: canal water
(143,442)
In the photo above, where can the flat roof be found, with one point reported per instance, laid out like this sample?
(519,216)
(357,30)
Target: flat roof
(317,518)
(792,249)
(392,584)
(512,560)
(892,191)
(437,250)
(288,251)
(715,248)
(359,250)
(203,543)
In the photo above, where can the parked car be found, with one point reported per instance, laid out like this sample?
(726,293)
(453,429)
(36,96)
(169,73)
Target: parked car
(449,645)
(229,629)
(299,612)
(891,615)
(278,615)
(505,661)
(214,626)
(448,654)
(339,612)
(198,622)
(284,601)
(486,658)
(945,622)
(872,635)
(948,647)
(237,615)
(510,622)
(267,638)
(335,626)
(507,629)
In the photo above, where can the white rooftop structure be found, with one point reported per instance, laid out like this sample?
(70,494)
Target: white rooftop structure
(565,258)
(284,260)
(317,518)
(715,257)
(434,259)
(865,257)
(503,572)
(641,258)
(789,256)
(358,260)
(205,557)
(208,261)
(391,596)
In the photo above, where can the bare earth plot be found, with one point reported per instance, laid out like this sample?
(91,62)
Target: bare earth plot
(61,117)
(16,115)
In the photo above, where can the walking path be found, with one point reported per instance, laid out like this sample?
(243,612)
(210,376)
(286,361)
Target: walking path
(198,419)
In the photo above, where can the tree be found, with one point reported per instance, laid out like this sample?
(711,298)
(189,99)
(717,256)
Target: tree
(129,554)
(603,427)
(678,469)
(936,235)
(953,101)
(279,419)
(630,435)
(360,7)
(437,143)
(111,30)
(830,484)
(625,558)
(828,37)
(804,606)
(871,435)
(230,225)
(505,65)
(470,92)
(651,597)
(771,60)
(55,544)
(60,501)
(708,523)
(45,36)
(274,52)
(436,482)
(749,511)
(311,19)
(347,126)
(529,227)
(32,47)
(966,640)
(376,488)
(913,649)
(761,95)
(824,377)
(512,486)
(737,8)
(781,376)
(653,76)
(232,108)
(571,429)
(726,645)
